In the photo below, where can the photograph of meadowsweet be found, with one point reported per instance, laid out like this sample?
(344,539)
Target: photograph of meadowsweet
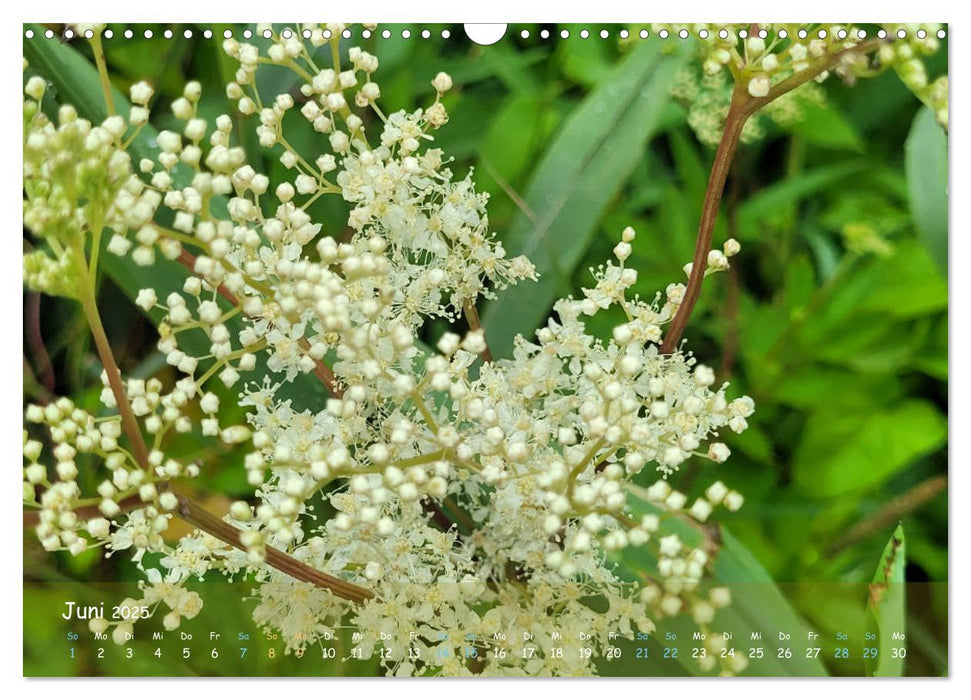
(593,350)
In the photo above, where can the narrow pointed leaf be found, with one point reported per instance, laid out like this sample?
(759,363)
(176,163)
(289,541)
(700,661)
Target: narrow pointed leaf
(886,610)
(584,169)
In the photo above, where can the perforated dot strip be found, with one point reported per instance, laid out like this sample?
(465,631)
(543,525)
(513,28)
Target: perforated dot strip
(542,34)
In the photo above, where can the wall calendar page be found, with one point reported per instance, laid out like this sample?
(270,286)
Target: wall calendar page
(443,350)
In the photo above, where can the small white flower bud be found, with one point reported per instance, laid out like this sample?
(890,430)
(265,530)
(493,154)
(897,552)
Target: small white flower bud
(209,403)
(622,250)
(759,86)
(98,625)
(146,299)
(733,501)
(676,500)
(622,334)
(168,501)
(448,344)
(442,82)
(702,612)
(716,492)
(98,528)
(720,597)
(669,546)
(700,510)
(718,452)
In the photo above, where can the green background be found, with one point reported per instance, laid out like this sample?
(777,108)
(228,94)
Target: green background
(834,317)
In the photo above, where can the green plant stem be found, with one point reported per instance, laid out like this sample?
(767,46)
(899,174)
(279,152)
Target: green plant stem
(581,465)
(99,60)
(31,518)
(128,421)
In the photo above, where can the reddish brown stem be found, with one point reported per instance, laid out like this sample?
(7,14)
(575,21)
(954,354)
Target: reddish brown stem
(35,340)
(128,421)
(891,513)
(742,107)
(734,123)
(202,519)
(198,516)
(324,373)
(475,324)
(188,261)
(40,393)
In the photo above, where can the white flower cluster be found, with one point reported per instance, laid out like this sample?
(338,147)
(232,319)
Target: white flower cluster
(707,97)
(477,497)
(74,431)
(759,63)
(72,162)
(181,604)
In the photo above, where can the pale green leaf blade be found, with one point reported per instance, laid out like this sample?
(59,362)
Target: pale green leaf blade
(886,609)
(758,604)
(583,170)
(854,450)
(927,182)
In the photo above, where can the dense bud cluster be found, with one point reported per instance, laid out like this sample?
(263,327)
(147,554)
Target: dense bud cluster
(544,465)
(758,58)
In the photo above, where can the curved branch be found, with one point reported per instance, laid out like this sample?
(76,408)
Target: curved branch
(742,107)
(734,123)
(196,515)
(200,518)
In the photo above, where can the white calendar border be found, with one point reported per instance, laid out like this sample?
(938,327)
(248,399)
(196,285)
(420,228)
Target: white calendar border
(512,11)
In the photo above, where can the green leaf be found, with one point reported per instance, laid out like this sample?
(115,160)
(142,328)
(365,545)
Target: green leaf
(758,605)
(827,127)
(586,62)
(901,286)
(511,64)
(584,168)
(69,72)
(926,167)
(886,608)
(845,451)
(507,147)
(814,385)
(772,204)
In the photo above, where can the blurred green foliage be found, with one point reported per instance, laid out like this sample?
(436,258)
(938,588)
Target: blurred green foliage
(834,317)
